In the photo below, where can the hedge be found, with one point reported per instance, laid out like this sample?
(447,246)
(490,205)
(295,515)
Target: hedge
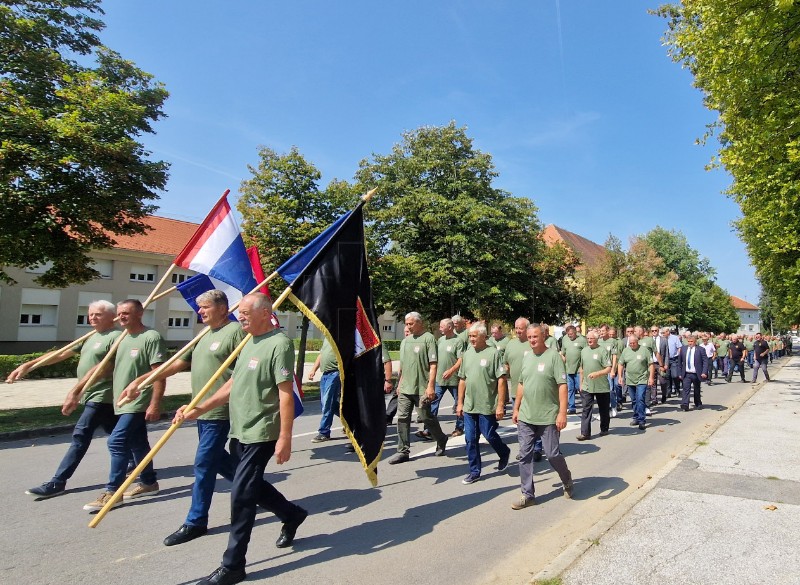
(316,344)
(65,369)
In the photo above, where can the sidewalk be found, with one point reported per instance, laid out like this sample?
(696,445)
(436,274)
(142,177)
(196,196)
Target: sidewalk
(725,511)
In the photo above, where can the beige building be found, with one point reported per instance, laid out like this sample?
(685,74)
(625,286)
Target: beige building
(33,318)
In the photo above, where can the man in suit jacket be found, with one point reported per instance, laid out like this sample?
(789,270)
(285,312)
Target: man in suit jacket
(662,368)
(694,369)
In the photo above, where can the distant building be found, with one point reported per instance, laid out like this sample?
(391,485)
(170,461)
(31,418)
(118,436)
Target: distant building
(749,316)
(33,318)
(588,252)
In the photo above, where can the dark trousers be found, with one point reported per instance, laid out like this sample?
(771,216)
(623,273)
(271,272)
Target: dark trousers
(736,364)
(691,379)
(248,491)
(603,405)
(94,415)
(675,375)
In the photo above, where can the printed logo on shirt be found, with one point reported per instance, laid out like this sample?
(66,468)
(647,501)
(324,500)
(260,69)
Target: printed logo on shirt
(253,364)
(97,345)
(563,376)
(575,344)
(594,356)
(284,372)
(214,346)
(134,352)
(432,357)
(483,363)
(540,367)
(449,348)
(638,357)
(526,353)
(416,349)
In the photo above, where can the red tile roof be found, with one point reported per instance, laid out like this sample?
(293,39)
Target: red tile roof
(590,253)
(166,236)
(742,305)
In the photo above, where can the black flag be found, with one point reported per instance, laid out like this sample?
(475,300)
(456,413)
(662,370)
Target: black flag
(330,284)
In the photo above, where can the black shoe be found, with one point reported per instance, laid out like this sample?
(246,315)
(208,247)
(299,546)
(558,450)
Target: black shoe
(46,490)
(571,411)
(424,435)
(223,576)
(289,529)
(503,463)
(698,407)
(537,455)
(441,448)
(185,533)
(399,457)
(684,408)
(603,433)
(642,426)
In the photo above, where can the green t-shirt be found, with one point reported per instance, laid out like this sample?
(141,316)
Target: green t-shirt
(207,356)
(136,355)
(611,345)
(637,365)
(328,361)
(92,351)
(594,360)
(550,342)
(541,377)
(481,370)
(417,353)
(748,344)
(448,350)
(571,349)
(266,361)
(514,355)
(385,357)
(722,347)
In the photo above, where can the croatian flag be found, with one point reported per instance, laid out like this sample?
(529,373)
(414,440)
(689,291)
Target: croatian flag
(217,250)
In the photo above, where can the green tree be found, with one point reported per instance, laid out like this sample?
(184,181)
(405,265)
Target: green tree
(745,56)
(72,173)
(443,239)
(697,301)
(558,297)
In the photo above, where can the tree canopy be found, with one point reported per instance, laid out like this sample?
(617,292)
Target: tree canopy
(745,56)
(72,173)
(444,239)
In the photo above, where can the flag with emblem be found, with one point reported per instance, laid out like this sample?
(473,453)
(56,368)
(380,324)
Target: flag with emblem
(330,284)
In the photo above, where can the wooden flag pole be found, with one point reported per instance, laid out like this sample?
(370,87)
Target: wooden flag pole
(113,349)
(174,427)
(48,357)
(149,380)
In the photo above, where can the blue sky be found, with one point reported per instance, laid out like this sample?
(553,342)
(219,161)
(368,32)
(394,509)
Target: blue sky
(577,102)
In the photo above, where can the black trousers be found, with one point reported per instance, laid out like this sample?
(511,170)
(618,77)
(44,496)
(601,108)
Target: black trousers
(248,491)
(603,404)
(689,380)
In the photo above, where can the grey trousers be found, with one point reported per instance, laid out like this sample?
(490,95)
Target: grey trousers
(527,435)
(405,404)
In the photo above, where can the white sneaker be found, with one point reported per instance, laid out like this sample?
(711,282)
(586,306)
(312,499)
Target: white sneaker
(647,411)
(613,413)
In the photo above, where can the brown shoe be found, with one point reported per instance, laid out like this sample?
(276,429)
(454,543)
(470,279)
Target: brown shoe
(457,433)
(140,490)
(523,502)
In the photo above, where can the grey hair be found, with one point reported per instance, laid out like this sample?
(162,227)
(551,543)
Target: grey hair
(478,328)
(260,301)
(415,316)
(214,295)
(104,306)
(457,319)
(447,321)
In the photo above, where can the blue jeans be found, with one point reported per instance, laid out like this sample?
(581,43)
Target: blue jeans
(211,459)
(637,393)
(750,358)
(440,391)
(573,386)
(487,426)
(330,387)
(129,437)
(94,415)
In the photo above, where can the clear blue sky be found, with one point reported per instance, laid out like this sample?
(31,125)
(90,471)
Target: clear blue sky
(577,102)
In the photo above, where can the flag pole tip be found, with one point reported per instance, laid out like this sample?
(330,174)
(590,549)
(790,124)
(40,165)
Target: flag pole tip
(368,195)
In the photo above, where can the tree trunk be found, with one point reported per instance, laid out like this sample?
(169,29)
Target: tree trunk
(301,351)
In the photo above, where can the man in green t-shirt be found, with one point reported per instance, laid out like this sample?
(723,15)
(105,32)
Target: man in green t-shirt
(636,367)
(98,411)
(211,457)
(514,355)
(416,387)
(330,388)
(721,362)
(571,345)
(139,351)
(448,353)
(595,365)
(540,410)
(481,400)
(262,415)
(608,340)
(497,338)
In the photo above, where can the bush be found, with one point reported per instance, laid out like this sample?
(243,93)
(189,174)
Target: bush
(311,344)
(392,344)
(65,369)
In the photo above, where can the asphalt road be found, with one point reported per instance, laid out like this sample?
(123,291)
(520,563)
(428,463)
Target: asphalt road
(420,525)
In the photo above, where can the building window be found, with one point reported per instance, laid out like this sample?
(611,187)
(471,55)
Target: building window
(83,319)
(143,273)
(104,267)
(388,328)
(37,315)
(180,322)
(179,278)
(750,327)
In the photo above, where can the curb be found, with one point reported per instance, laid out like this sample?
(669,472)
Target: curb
(575,550)
(59,430)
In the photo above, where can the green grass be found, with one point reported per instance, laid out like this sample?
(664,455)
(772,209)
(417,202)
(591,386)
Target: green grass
(25,419)
(551,581)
